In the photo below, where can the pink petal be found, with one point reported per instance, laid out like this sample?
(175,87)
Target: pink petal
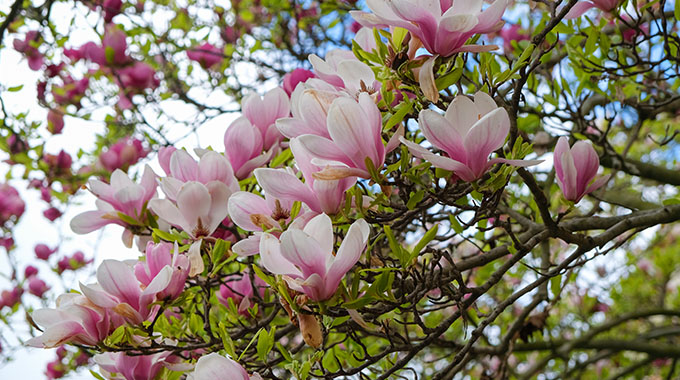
(118,279)
(579,9)
(244,204)
(321,229)
(284,185)
(349,253)
(487,135)
(439,131)
(89,221)
(183,166)
(304,252)
(272,259)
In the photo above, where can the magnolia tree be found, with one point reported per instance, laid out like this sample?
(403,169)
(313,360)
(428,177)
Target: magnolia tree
(408,189)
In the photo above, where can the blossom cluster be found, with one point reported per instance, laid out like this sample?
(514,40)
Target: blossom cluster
(295,231)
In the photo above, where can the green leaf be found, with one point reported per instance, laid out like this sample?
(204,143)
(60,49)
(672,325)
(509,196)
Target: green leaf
(677,10)
(398,35)
(425,240)
(286,355)
(415,199)
(403,109)
(265,343)
(448,79)
(15,88)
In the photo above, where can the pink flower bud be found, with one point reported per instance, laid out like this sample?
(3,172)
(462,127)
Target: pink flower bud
(52,214)
(292,79)
(206,54)
(37,287)
(43,252)
(55,121)
(30,271)
(576,168)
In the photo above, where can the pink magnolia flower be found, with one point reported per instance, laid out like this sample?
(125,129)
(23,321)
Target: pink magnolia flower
(576,167)
(443,26)
(121,155)
(114,40)
(513,33)
(11,204)
(292,79)
(355,136)
(164,156)
(10,298)
(52,214)
(240,291)
(206,54)
(55,121)
(309,106)
(327,69)
(263,112)
(199,210)
(75,320)
(37,287)
(133,367)
(55,369)
(468,133)
(158,257)
(121,196)
(43,252)
(305,257)
(30,271)
(74,262)
(243,146)
(139,76)
(183,168)
(111,8)
(343,70)
(117,289)
(71,92)
(215,366)
(29,49)
(582,6)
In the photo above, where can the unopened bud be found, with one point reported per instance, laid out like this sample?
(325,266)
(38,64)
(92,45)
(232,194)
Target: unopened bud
(311,330)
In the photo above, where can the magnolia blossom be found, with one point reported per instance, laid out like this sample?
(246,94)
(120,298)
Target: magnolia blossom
(295,77)
(133,367)
(320,195)
(252,213)
(29,48)
(199,209)
(442,26)
(343,70)
(355,136)
(158,257)
(75,320)
(55,121)
(11,204)
(120,196)
(117,289)
(206,55)
(582,6)
(215,366)
(263,112)
(240,291)
(212,167)
(243,146)
(309,105)
(122,154)
(305,257)
(468,133)
(576,168)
